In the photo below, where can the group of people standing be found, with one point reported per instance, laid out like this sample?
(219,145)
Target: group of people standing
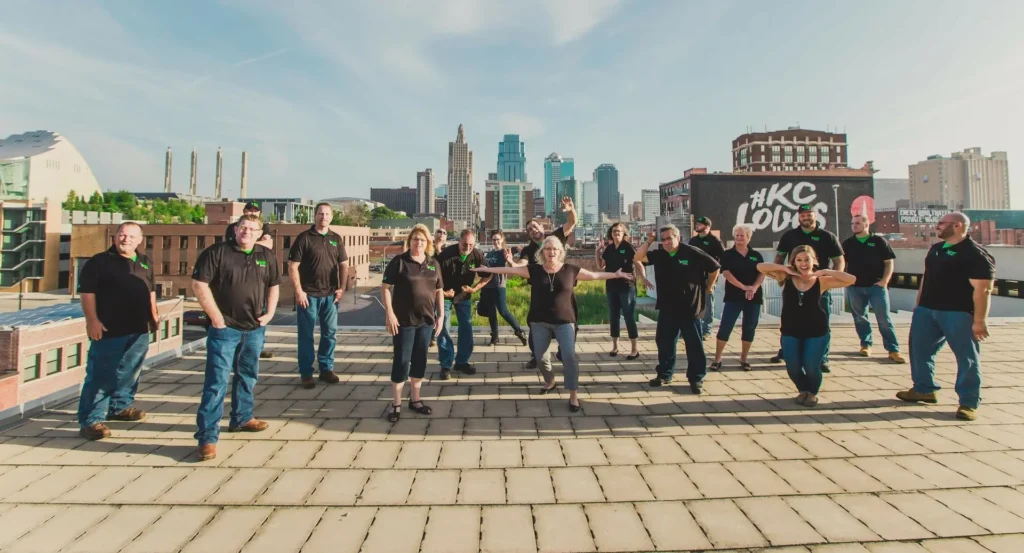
(237,284)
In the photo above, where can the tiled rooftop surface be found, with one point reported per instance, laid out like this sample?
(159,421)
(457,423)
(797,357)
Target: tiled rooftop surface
(497,468)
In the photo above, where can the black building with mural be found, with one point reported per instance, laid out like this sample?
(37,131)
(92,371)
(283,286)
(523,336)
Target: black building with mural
(768,201)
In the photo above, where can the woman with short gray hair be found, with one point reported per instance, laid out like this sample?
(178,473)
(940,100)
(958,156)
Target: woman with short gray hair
(551,314)
(742,294)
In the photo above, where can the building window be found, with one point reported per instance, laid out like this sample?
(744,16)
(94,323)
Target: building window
(74,358)
(775,149)
(149,242)
(775,158)
(800,149)
(164,330)
(31,368)
(183,268)
(165,268)
(800,157)
(789,149)
(182,292)
(176,327)
(152,337)
(53,358)
(789,157)
(287,241)
(200,243)
(183,242)
(166,242)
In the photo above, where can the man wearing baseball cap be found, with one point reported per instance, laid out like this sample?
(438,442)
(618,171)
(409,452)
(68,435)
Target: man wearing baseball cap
(825,245)
(711,245)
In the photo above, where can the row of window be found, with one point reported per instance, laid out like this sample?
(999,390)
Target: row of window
(72,356)
(776,148)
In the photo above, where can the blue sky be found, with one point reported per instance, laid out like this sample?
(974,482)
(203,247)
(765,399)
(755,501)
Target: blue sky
(331,98)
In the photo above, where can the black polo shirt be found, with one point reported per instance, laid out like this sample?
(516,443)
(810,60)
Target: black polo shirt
(240,282)
(229,234)
(824,243)
(529,252)
(122,289)
(948,272)
(709,244)
(319,257)
(681,279)
(456,272)
(744,269)
(414,288)
(616,258)
(866,259)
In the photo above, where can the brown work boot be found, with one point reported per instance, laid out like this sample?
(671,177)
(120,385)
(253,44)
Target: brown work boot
(308,382)
(266,354)
(914,396)
(130,414)
(965,413)
(329,377)
(895,357)
(94,432)
(206,452)
(253,425)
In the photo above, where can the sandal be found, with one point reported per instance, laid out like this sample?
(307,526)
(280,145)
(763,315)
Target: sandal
(395,414)
(574,408)
(613,353)
(717,365)
(633,356)
(420,407)
(550,390)
(744,365)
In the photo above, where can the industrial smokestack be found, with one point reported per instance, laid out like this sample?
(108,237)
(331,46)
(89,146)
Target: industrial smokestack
(220,169)
(244,193)
(167,170)
(192,179)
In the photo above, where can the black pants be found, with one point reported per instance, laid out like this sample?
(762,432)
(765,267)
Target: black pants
(410,358)
(672,325)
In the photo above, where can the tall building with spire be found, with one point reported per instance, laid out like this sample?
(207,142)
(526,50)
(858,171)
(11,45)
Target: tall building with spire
(556,169)
(511,159)
(460,179)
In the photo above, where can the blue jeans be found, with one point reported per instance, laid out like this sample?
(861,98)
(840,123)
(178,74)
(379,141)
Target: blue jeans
(410,358)
(929,329)
(446,354)
(622,303)
(499,298)
(803,361)
(731,311)
(860,297)
(321,310)
(229,352)
(826,304)
(565,335)
(709,313)
(666,335)
(112,369)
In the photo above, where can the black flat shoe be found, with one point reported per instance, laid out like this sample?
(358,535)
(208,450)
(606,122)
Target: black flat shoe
(716,366)
(633,356)
(610,354)
(395,414)
(574,408)
(545,391)
(745,366)
(420,407)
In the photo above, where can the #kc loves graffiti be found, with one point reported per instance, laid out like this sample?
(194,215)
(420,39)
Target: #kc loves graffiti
(776,206)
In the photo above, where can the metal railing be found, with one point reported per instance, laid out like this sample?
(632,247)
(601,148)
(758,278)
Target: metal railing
(1006,288)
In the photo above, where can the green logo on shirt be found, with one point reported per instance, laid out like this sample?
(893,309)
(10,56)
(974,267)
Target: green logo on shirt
(871,244)
(261,262)
(431,268)
(752,258)
(622,251)
(706,243)
(816,238)
(684,261)
(144,266)
(334,243)
(950,253)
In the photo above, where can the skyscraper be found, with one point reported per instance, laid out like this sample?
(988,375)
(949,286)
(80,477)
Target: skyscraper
(425,191)
(651,205)
(588,208)
(556,169)
(607,177)
(966,180)
(511,159)
(508,205)
(460,179)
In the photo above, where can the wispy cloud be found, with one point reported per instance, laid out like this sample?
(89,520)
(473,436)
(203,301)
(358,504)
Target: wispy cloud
(573,19)
(266,56)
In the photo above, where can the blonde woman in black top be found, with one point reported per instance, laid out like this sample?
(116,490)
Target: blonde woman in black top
(804,321)
(551,314)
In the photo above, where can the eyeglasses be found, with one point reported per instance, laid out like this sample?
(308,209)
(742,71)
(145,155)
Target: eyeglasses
(249,230)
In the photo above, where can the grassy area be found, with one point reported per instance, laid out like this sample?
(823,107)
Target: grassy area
(590,297)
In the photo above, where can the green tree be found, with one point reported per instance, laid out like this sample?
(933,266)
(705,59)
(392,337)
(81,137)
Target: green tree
(384,212)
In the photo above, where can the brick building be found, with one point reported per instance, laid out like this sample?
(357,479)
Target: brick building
(43,352)
(174,249)
(793,149)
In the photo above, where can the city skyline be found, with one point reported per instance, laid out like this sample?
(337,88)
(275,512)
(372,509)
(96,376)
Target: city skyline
(330,113)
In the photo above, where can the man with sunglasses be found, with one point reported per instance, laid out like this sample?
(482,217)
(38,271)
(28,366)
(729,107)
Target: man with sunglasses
(953,301)
(826,247)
